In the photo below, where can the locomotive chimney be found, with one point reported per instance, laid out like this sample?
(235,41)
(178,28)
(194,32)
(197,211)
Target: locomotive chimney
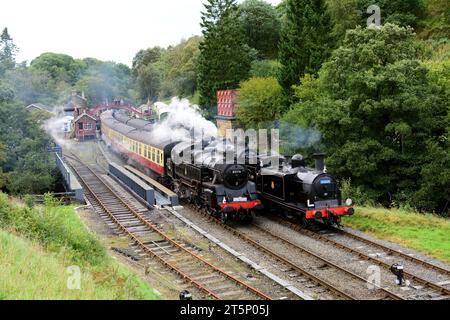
(319,159)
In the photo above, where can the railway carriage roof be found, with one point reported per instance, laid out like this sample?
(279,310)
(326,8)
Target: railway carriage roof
(143,136)
(140,124)
(133,122)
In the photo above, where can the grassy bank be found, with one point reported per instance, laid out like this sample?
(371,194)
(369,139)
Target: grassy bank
(37,245)
(426,233)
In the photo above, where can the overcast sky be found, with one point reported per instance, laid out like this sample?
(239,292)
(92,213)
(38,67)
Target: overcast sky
(104,29)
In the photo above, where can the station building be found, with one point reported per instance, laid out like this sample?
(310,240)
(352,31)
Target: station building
(85,127)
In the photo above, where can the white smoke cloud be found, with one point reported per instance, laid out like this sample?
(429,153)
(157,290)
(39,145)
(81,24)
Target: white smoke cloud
(182,119)
(55,128)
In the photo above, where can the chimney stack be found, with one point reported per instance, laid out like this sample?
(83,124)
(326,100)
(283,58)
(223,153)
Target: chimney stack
(319,159)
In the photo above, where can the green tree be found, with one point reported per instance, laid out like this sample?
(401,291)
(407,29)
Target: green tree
(400,12)
(436,23)
(345,16)
(8,51)
(60,67)
(434,191)
(433,194)
(145,57)
(6,92)
(377,110)
(26,164)
(225,57)
(264,68)
(180,76)
(147,73)
(259,102)
(261,25)
(32,85)
(281,10)
(306,40)
(2,159)
(32,175)
(149,80)
(104,81)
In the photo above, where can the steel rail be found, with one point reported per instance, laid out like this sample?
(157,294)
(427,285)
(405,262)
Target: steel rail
(393,251)
(278,257)
(163,235)
(379,262)
(326,261)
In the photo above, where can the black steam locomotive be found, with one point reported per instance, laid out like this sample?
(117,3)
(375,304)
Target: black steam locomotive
(291,187)
(201,178)
(205,180)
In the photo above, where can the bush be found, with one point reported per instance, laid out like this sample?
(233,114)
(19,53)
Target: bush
(56,227)
(50,201)
(29,201)
(259,102)
(264,68)
(358,196)
(67,242)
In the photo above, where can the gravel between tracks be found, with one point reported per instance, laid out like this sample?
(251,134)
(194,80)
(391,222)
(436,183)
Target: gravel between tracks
(277,268)
(357,265)
(209,251)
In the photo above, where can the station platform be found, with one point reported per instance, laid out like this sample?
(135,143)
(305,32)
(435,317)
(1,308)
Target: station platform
(70,181)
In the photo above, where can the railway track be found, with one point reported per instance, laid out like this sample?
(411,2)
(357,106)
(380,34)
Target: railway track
(391,251)
(306,271)
(153,241)
(172,253)
(327,238)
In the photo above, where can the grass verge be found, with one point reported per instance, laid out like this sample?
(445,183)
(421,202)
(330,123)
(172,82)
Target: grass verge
(425,233)
(38,245)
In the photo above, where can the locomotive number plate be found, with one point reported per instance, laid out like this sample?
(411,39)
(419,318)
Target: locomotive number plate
(241,199)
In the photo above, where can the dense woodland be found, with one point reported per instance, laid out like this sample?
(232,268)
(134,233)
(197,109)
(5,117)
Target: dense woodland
(376,99)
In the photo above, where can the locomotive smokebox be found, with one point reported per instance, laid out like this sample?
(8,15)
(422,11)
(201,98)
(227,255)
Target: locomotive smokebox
(319,159)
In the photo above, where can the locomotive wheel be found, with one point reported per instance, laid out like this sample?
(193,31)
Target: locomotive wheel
(304,222)
(210,211)
(250,217)
(224,217)
(336,221)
